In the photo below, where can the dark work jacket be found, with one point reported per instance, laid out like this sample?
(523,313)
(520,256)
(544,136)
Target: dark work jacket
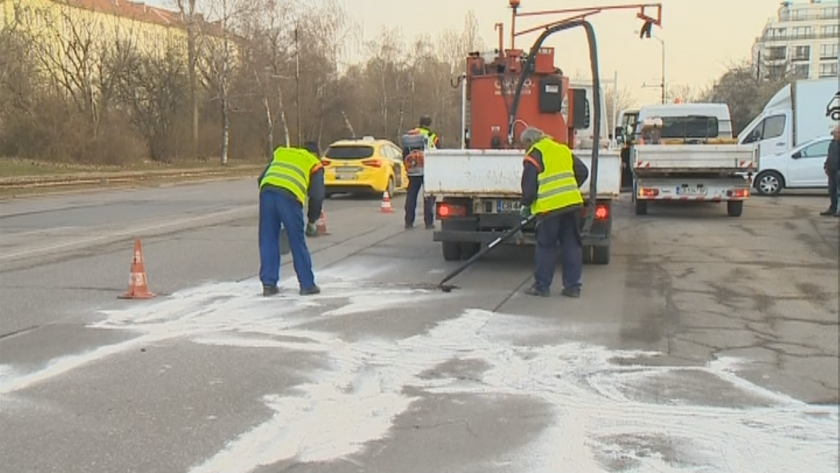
(832,161)
(530,181)
(316,192)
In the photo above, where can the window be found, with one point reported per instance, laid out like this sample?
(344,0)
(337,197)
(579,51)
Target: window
(349,152)
(816,150)
(801,53)
(828,69)
(829,51)
(776,53)
(689,127)
(830,13)
(770,127)
(829,31)
(801,31)
(802,70)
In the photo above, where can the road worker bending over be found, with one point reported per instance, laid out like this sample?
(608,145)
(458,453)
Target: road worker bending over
(551,179)
(292,175)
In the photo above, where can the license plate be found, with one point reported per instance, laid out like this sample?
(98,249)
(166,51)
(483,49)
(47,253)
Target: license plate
(507,206)
(691,191)
(345,176)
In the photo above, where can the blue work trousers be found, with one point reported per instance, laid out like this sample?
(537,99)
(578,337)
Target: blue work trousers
(414,185)
(278,209)
(564,229)
(833,189)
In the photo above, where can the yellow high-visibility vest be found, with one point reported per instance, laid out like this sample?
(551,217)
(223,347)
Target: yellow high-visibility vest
(557,186)
(291,169)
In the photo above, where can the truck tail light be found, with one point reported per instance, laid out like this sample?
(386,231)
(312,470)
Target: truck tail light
(445,210)
(738,193)
(373,163)
(602,212)
(648,192)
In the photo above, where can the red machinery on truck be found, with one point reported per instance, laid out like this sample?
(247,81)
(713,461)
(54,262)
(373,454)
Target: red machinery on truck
(477,188)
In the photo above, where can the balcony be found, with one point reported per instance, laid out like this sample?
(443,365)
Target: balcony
(799,37)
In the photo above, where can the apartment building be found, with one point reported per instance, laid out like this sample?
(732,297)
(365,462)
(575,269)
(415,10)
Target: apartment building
(802,39)
(52,24)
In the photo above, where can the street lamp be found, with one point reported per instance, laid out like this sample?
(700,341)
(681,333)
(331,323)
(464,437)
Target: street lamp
(662,84)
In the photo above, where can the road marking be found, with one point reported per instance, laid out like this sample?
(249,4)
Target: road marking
(604,411)
(123,233)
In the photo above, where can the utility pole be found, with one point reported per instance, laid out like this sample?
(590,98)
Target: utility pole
(662,81)
(297,86)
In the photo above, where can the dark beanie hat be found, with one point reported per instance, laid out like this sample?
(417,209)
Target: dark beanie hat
(312,147)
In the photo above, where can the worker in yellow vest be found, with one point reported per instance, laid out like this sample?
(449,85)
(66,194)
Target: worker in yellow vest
(551,180)
(413,157)
(292,175)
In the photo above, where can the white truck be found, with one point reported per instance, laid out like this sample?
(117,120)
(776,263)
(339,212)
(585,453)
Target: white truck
(799,112)
(682,153)
(477,196)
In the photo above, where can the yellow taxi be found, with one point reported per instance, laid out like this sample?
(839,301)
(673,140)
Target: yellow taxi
(364,166)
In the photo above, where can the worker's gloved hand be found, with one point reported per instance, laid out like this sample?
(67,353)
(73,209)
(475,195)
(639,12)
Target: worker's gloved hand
(311,231)
(525,212)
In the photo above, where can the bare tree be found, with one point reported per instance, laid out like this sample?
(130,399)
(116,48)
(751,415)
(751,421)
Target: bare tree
(623,100)
(189,14)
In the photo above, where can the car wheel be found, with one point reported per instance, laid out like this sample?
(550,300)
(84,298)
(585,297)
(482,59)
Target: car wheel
(391,187)
(769,183)
(835,115)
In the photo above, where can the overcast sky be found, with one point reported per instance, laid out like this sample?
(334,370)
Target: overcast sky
(701,36)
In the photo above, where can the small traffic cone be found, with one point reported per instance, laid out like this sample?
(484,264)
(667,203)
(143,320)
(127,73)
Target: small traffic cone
(386,204)
(137,287)
(321,225)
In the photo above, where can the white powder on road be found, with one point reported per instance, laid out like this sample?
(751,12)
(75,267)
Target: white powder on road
(606,413)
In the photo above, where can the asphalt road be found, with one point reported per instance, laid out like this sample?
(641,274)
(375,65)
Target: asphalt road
(708,344)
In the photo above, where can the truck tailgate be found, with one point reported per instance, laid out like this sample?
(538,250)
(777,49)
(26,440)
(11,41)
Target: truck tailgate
(495,173)
(654,158)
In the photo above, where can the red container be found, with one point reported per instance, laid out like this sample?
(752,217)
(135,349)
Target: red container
(489,109)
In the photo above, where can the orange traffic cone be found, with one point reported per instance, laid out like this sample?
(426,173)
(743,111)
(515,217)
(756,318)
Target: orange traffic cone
(321,225)
(137,288)
(386,204)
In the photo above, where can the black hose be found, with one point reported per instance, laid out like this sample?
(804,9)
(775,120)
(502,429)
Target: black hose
(596,90)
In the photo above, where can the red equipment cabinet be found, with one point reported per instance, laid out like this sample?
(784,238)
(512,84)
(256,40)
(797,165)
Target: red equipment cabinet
(542,103)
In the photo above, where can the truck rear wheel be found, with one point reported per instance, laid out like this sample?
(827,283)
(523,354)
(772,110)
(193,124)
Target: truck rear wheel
(451,250)
(601,254)
(641,207)
(734,208)
(468,250)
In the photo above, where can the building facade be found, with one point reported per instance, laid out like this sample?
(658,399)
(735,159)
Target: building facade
(803,39)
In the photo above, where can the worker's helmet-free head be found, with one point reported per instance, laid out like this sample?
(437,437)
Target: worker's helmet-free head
(425,121)
(530,136)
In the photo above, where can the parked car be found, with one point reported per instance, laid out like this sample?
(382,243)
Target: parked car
(364,166)
(799,168)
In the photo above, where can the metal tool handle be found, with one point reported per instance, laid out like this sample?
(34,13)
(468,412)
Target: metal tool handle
(484,251)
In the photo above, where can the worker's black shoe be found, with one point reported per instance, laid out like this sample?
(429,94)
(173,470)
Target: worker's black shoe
(409,226)
(310,291)
(830,213)
(535,291)
(269,291)
(571,292)
(430,227)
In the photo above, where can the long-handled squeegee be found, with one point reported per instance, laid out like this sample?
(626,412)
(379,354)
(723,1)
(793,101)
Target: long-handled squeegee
(506,236)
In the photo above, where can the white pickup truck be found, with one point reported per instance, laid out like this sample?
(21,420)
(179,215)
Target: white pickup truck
(477,196)
(680,156)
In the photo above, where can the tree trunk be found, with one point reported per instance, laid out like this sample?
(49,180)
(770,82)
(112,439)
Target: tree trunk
(225,59)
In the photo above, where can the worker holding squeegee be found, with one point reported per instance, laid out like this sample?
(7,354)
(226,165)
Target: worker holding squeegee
(551,179)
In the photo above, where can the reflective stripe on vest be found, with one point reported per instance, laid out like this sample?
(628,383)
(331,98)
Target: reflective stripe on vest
(557,186)
(428,134)
(291,169)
